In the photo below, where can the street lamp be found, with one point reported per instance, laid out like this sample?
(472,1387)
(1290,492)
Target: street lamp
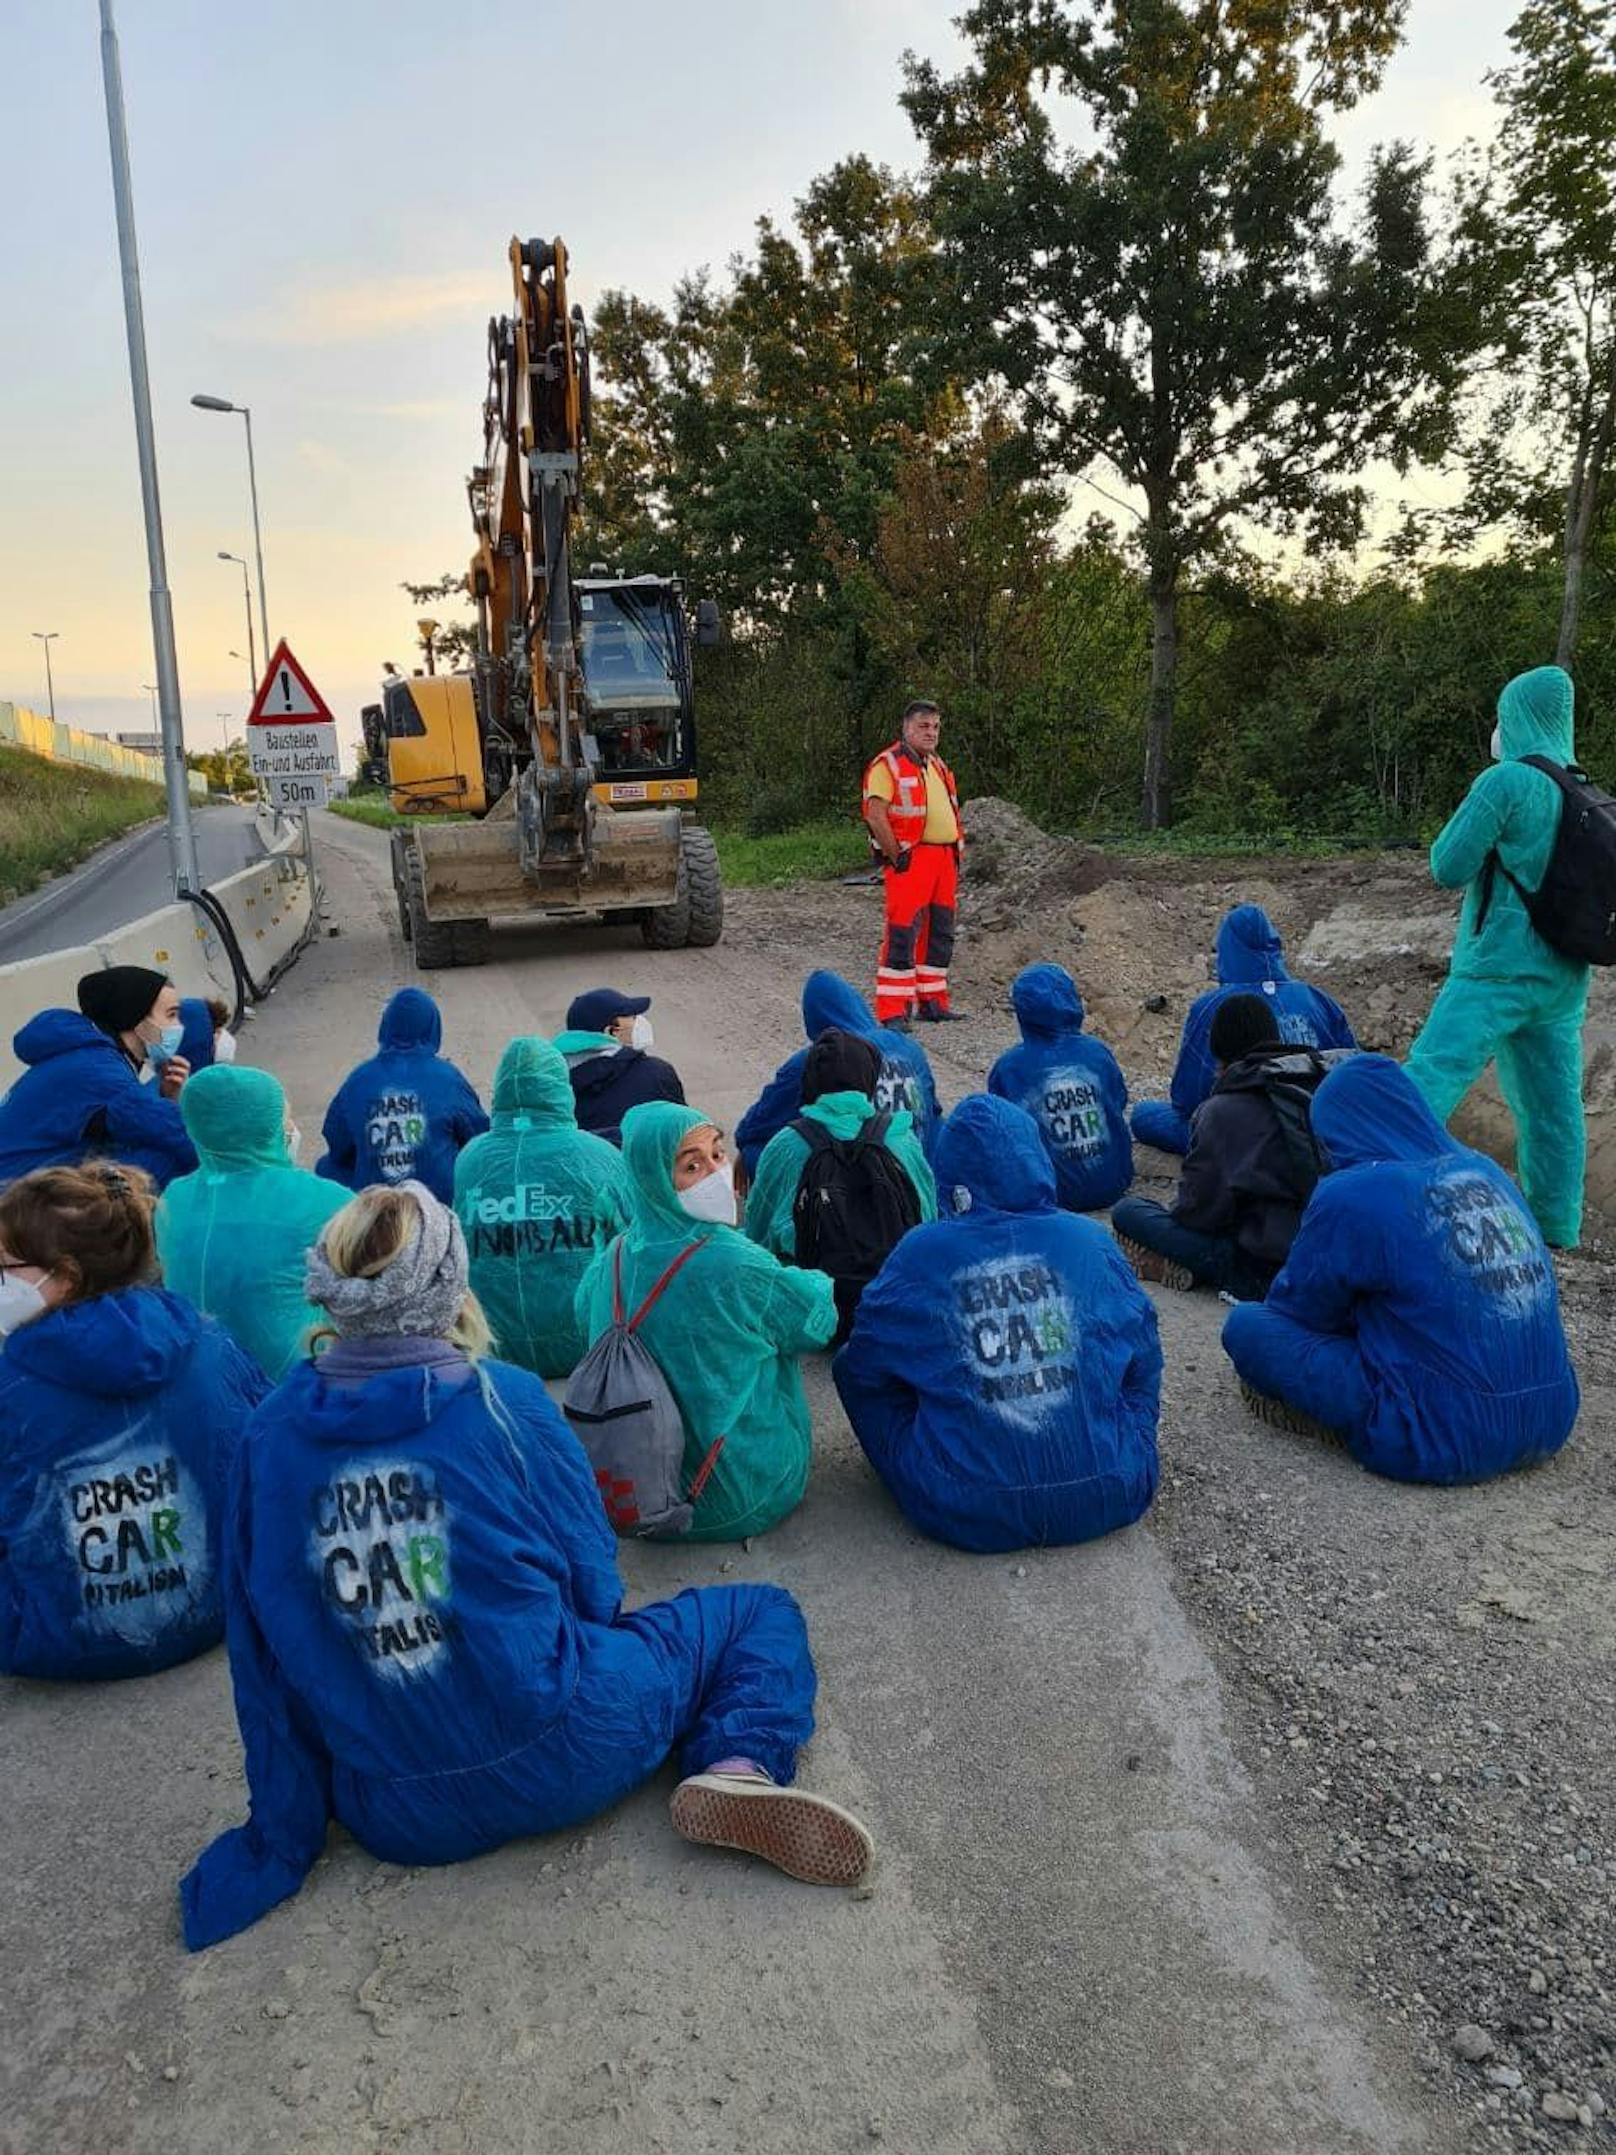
(47,637)
(224,718)
(223,404)
(151,689)
(246,595)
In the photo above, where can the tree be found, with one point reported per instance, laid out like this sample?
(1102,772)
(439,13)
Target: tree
(451,643)
(1170,298)
(226,770)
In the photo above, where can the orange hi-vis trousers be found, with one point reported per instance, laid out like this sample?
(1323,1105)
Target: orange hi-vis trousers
(919,938)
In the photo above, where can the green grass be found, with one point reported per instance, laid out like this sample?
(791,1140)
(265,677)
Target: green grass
(372,809)
(812,853)
(53,814)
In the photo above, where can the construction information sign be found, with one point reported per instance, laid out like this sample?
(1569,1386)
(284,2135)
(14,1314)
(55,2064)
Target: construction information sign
(292,736)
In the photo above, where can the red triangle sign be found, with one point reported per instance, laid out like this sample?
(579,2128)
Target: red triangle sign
(287,697)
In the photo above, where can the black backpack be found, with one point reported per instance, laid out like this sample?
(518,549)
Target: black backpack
(854,1203)
(1289,1088)
(1574,908)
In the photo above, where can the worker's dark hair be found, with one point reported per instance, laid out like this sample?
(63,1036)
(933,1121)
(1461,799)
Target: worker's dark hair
(921,703)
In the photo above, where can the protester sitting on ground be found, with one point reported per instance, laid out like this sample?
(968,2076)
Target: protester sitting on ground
(607,1047)
(1004,1373)
(726,1330)
(234,1238)
(403,1115)
(1417,1315)
(425,1619)
(206,1038)
(80,1096)
(1073,1088)
(1250,959)
(906,1084)
(119,1405)
(536,1197)
(837,1188)
(1512,996)
(1250,1168)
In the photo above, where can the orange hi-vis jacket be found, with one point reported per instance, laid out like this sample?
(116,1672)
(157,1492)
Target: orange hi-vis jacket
(906,811)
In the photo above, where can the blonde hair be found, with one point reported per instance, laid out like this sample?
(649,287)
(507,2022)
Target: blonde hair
(367,1235)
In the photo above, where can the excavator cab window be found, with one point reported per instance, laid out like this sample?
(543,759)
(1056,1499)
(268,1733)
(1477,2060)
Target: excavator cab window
(637,673)
(401,721)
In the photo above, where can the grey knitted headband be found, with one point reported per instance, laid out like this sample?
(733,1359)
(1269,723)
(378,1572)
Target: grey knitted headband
(420,1292)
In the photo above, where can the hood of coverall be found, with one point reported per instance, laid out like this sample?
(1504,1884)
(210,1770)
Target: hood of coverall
(531,1083)
(117,1346)
(235,1117)
(827,999)
(411,1020)
(1249,948)
(1046,1003)
(1371,1109)
(196,1042)
(990,1158)
(60,1032)
(1535,716)
(652,1135)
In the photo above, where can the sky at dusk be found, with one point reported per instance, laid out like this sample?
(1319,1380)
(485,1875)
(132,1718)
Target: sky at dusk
(324,193)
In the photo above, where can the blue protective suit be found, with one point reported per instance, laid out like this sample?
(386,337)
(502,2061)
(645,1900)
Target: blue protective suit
(427,1638)
(905,1082)
(1073,1088)
(234,1237)
(117,1418)
(1418,1312)
(1509,998)
(405,1114)
(196,1042)
(1004,1373)
(1250,960)
(79,1099)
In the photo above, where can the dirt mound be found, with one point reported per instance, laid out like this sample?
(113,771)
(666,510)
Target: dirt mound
(1015,863)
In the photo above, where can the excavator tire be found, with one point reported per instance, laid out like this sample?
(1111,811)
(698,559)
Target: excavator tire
(667,927)
(705,885)
(440,944)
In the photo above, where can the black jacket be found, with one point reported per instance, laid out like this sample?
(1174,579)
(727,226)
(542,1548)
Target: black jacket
(607,1085)
(1244,1176)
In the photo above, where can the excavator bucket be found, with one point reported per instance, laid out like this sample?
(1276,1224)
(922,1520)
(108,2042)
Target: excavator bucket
(473,871)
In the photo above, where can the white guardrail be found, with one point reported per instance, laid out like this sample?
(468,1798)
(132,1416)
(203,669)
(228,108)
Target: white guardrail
(267,905)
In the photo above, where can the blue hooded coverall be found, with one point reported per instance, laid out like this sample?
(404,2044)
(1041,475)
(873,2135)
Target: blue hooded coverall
(905,1083)
(404,1115)
(1073,1088)
(428,1643)
(537,1197)
(1418,1312)
(119,1414)
(80,1098)
(234,1237)
(727,1334)
(196,1042)
(1004,1373)
(1509,998)
(1250,960)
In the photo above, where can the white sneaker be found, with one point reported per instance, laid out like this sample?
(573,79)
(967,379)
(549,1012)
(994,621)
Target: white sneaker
(806,1836)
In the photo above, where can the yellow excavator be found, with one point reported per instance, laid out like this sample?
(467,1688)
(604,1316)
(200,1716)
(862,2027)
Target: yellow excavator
(571,739)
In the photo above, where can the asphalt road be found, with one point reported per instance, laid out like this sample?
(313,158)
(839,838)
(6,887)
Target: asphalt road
(125,880)
(1081,1935)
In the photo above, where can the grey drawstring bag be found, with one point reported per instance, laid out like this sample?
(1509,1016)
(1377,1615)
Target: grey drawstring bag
(628,1421)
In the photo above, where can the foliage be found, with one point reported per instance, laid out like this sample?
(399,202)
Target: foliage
(53,814)
(451,643)
(227,770)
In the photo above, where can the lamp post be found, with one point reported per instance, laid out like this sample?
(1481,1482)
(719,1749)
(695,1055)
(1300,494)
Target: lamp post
(223,404)
(181,836)
(151,689)
(246,597)
(47,637)
(224,718)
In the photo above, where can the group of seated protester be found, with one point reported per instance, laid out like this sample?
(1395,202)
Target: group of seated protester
(240,1397)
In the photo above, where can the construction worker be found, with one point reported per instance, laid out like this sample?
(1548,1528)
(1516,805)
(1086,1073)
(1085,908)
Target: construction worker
(911,806)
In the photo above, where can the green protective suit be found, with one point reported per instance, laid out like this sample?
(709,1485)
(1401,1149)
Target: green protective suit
(234,1237)
(537,1197)
(770,1200)
(1509,998)
(726,1334)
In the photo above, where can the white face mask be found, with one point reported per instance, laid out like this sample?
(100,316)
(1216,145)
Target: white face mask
(1497,745)
(713,1198)
(224,1045)
(294,1143)
(20,1303)
(641,1036)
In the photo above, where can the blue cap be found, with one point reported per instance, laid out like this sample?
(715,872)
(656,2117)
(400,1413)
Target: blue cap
(601,1007)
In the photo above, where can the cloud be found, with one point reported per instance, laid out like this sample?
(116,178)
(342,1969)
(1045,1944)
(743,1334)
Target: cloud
(426,409)
(362,308)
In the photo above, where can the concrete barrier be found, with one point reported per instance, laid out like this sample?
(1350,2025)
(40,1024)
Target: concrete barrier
(35,984)
(178,940)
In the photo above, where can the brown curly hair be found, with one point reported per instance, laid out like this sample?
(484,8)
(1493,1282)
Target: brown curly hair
(90,1225)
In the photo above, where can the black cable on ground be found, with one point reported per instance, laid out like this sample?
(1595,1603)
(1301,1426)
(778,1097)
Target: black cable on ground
(247,989)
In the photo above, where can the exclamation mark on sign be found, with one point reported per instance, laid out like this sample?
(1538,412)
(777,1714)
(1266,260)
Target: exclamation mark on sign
(286,689)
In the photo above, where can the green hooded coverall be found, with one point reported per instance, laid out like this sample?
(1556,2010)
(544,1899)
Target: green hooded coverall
(234,1237)
(537,1197)
(1508,997)
(726,1333)
(770,1202)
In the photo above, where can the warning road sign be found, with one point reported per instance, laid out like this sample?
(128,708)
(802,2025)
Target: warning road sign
(287,693)
(292,737)
(310,792)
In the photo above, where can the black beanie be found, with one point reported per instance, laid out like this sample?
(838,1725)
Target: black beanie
(119,996)
(840,1062)
(1240,1025)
